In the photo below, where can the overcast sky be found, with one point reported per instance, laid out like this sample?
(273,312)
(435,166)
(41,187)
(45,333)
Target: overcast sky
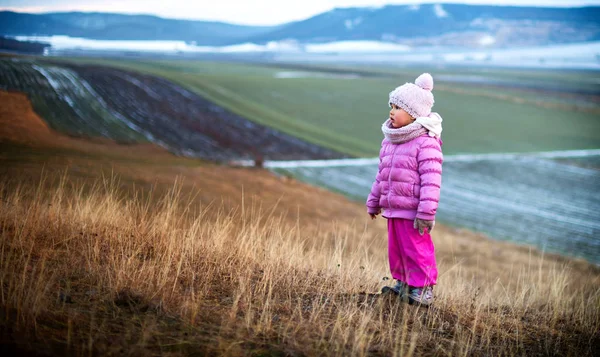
(258,12)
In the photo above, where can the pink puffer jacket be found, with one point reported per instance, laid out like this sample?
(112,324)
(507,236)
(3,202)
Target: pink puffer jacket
(409,179)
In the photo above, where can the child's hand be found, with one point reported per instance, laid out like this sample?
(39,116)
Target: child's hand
(421,224)
(374,214)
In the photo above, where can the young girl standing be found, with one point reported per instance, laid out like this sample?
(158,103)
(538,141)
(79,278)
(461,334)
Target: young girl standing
(407,188)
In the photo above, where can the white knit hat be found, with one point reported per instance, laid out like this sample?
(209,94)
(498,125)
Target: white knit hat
(416,99)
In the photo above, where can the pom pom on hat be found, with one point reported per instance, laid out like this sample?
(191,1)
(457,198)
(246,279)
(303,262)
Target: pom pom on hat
(415,98)
(425,81)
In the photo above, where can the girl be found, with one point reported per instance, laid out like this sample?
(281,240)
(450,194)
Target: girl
(407,188)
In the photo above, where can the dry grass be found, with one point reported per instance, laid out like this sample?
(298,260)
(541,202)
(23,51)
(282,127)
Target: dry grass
(135,252)
(111,271)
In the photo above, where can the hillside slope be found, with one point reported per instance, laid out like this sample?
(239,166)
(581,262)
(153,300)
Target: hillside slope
(130,107)
(153,254)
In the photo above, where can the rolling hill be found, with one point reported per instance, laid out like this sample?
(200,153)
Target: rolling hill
(415,25)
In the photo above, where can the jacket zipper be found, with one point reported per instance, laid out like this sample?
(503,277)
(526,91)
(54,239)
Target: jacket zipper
(390,177)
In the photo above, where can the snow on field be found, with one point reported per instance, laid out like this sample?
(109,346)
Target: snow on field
(356,46)
(75,91)
(304,74)
(447,158)
(582,55)
(66,42)
(439,11)
(575,54)
(529,199)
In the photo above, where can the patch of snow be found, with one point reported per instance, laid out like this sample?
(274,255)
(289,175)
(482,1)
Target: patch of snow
(285,45)
(185,93)
(468,56)
(302,74)
(580,55)
(565,54)
(53,83)
(82,88)
(415,7)
(321,163)
(244,47)
(513,156)
(69,101)
(66,42)
(388,37)
(487,40)
(356,46)
(447,158)
(350,24)
(477,22)
(142,86)
(439,11)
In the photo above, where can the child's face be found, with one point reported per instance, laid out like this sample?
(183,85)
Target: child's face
(399,117)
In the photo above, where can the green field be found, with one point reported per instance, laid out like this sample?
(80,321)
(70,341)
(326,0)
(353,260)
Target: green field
(346,114)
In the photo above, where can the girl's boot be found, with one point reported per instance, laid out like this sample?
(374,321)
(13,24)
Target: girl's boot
(422,296)
(399,289)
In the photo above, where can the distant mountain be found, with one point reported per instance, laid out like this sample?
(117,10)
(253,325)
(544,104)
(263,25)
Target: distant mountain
(107,26)
(415,25)
(447,24)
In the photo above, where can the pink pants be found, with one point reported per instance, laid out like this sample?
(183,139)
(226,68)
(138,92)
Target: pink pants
(412,256)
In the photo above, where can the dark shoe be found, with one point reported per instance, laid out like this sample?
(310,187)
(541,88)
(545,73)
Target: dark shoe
(399,289)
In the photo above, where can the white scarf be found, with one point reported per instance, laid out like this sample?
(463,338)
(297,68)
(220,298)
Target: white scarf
(433,123)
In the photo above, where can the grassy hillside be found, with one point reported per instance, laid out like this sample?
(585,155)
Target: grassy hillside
(346,114)
(125,249)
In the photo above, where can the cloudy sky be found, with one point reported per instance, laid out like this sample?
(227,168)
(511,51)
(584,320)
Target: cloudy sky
(258,12)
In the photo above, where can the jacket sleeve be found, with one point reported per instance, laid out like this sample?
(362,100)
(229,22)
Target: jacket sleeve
(373,199)
(430,160)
